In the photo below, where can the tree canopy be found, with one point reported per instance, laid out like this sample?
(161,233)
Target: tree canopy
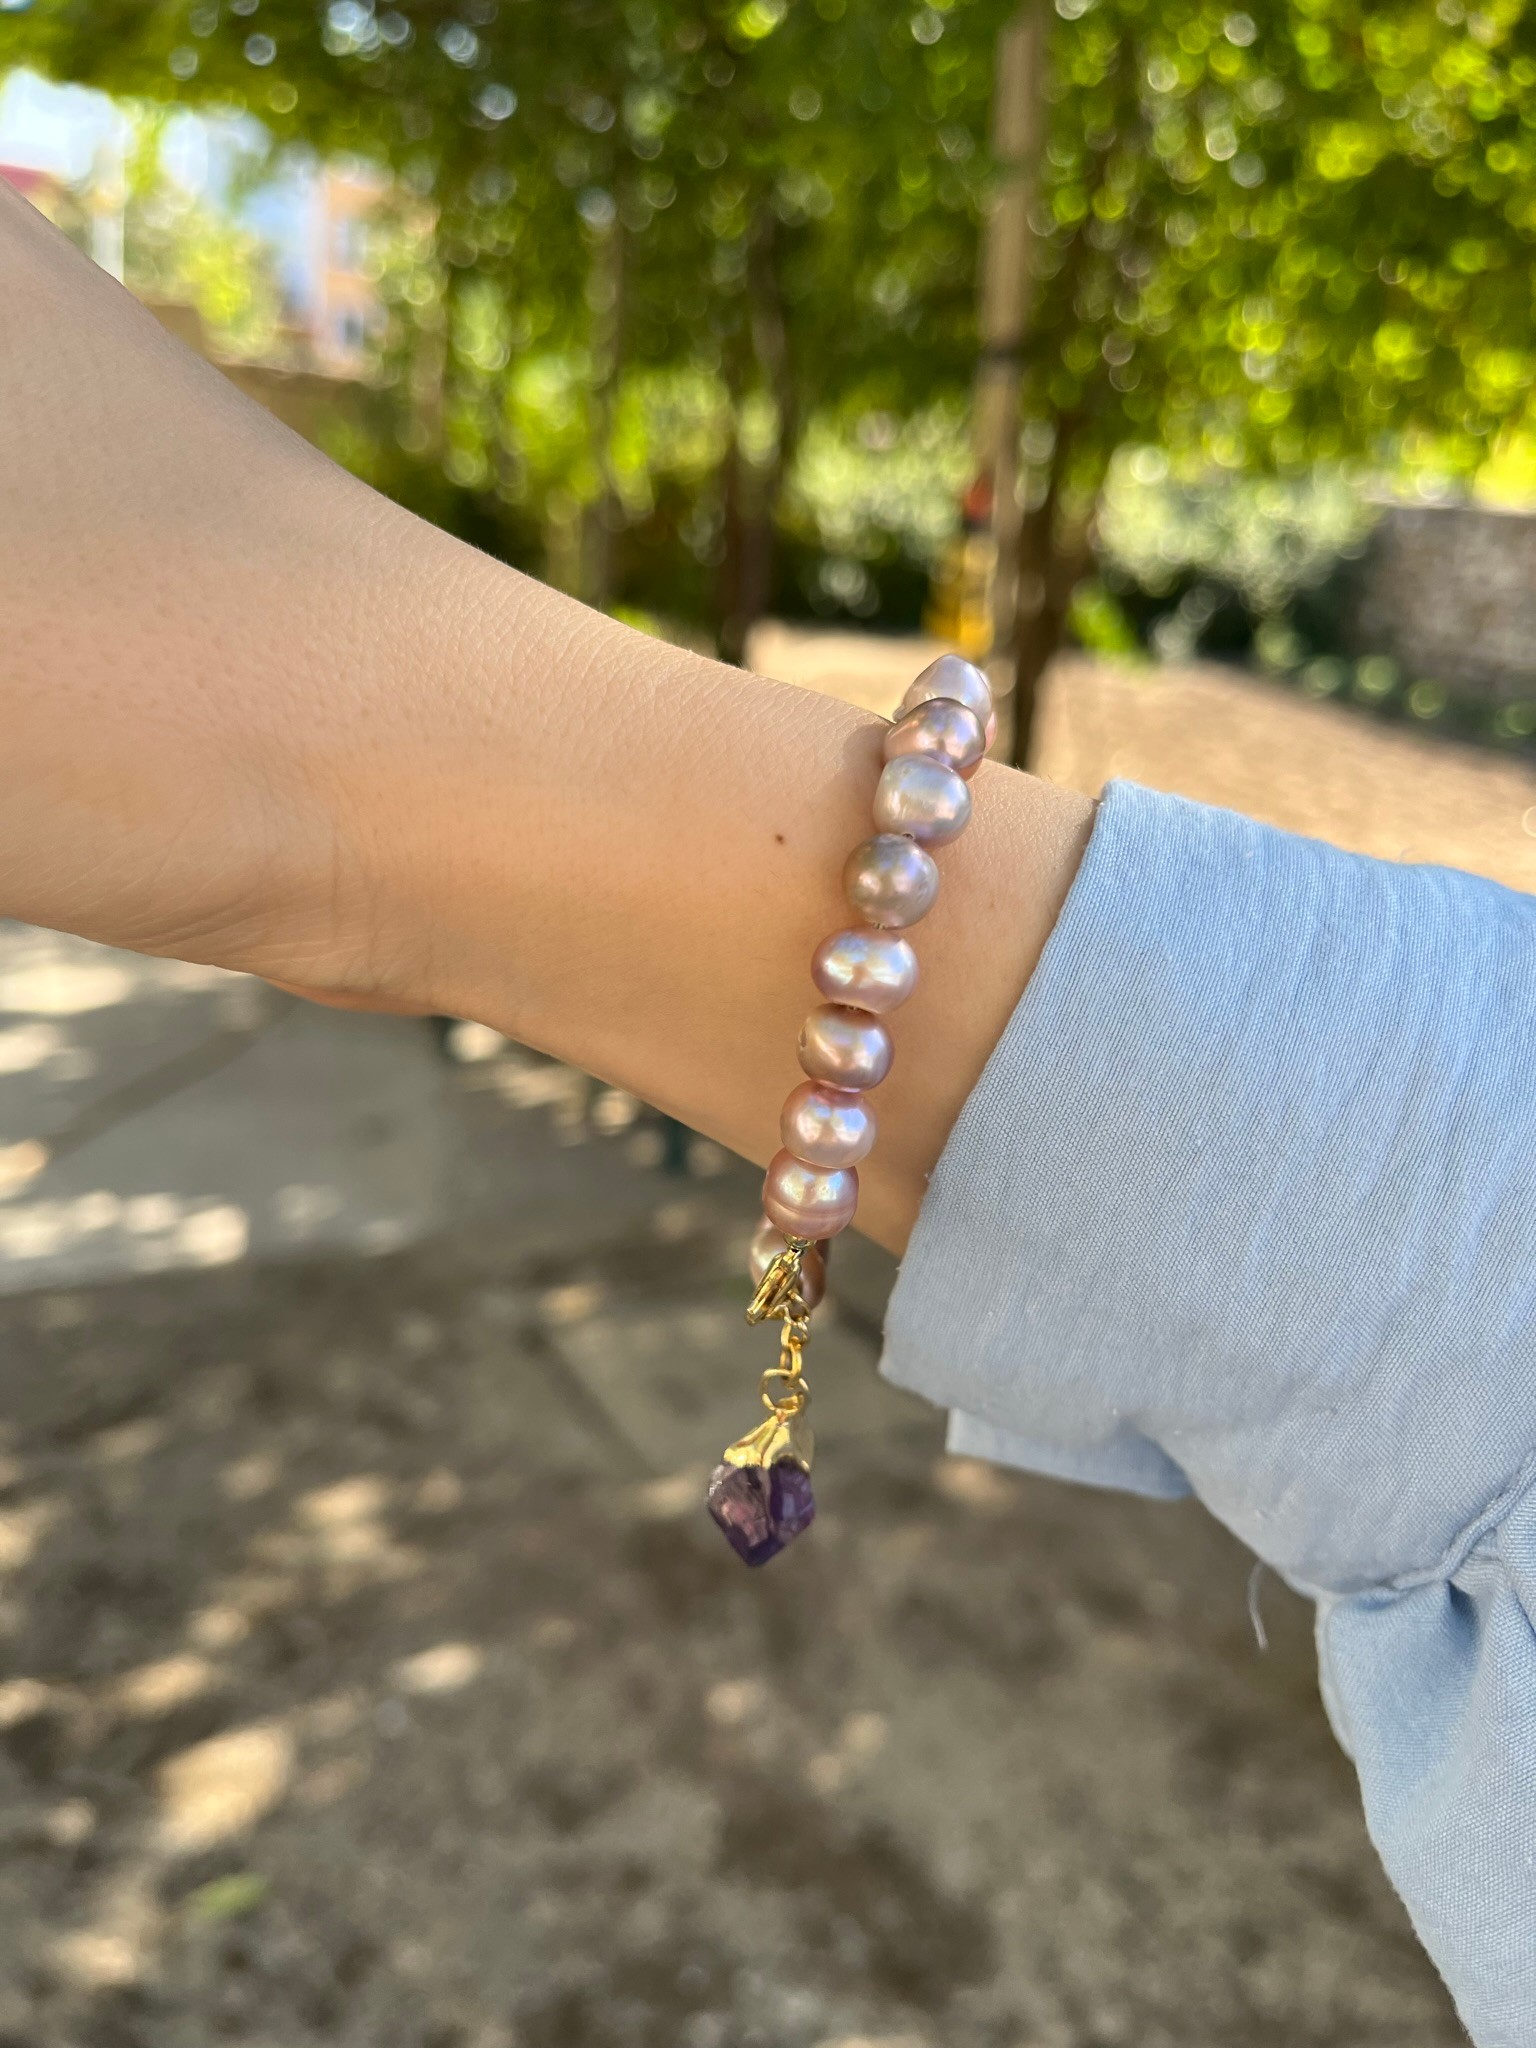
(645,252)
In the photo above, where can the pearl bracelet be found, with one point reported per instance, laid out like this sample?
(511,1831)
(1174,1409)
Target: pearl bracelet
(760,1493)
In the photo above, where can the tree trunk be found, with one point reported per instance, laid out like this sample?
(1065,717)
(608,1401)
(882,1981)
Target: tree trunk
(428,372)
(600,526)
(1039,620)
(730,625)
(1007,299)
(749,552)
(746,573)
(752,489)
(1047,568)
(1049,564)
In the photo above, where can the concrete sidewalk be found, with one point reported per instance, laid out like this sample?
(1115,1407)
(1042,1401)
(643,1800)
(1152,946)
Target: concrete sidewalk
(156,1116)
(373,1679)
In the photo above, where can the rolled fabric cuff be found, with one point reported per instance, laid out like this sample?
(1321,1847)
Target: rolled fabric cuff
(1129,1464)
(1242,1199)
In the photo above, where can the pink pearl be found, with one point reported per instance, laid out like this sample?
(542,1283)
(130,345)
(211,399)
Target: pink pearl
(827,1126)
(891,881)
(873,970)
(949,676)
(847,1047)
(809,1201)
(942,729)
(767,1243)
(920,796)
(991,730)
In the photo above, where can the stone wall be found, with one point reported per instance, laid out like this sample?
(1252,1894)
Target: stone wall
(1450,593)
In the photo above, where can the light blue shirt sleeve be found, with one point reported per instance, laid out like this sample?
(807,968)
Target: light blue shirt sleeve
(1244,1204)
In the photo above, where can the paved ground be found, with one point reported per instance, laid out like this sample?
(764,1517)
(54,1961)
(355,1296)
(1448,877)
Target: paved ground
(369,1675)
(375,1679)
(155,1115)
(1325,769)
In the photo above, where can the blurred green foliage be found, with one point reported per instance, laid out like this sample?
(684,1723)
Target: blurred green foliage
(231,1897)
(634,256)
(1375,683)
(674,284)
(184,250)
(1291,236)
(1268,538)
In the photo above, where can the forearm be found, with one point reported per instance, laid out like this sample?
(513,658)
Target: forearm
(252,713)
(627,856)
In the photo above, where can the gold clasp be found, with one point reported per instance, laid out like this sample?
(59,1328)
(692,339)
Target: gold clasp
(778,1293)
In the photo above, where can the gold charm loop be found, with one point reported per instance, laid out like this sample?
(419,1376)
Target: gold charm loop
(796,1395)
(784,1391)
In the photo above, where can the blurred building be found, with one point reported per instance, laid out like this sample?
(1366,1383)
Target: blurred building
(344,310)
(51,195)
(332,318)
(90,212)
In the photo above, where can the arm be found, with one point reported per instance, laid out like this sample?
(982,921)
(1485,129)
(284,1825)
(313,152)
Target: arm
(252,713)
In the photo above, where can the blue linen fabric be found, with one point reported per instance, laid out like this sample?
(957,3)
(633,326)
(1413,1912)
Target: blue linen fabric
(1243,1204)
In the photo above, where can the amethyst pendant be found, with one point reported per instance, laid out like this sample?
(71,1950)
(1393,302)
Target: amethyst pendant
(761,1508)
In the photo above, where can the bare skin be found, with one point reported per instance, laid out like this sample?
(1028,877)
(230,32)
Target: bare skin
(253,714)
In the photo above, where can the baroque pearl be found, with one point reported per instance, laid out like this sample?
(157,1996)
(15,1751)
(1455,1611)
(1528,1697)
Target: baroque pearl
(809,1201)
(952,677)
(847,1047)
(827,1126)
(945,730)
(891,881)
(922,797)
(767,1243)
(873,969)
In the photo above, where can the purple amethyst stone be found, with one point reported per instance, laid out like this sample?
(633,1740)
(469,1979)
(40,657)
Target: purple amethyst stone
(761,1508)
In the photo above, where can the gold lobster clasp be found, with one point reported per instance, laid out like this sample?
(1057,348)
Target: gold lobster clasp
(778,1293)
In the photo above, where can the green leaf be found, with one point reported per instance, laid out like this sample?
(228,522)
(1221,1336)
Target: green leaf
(227,1898)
